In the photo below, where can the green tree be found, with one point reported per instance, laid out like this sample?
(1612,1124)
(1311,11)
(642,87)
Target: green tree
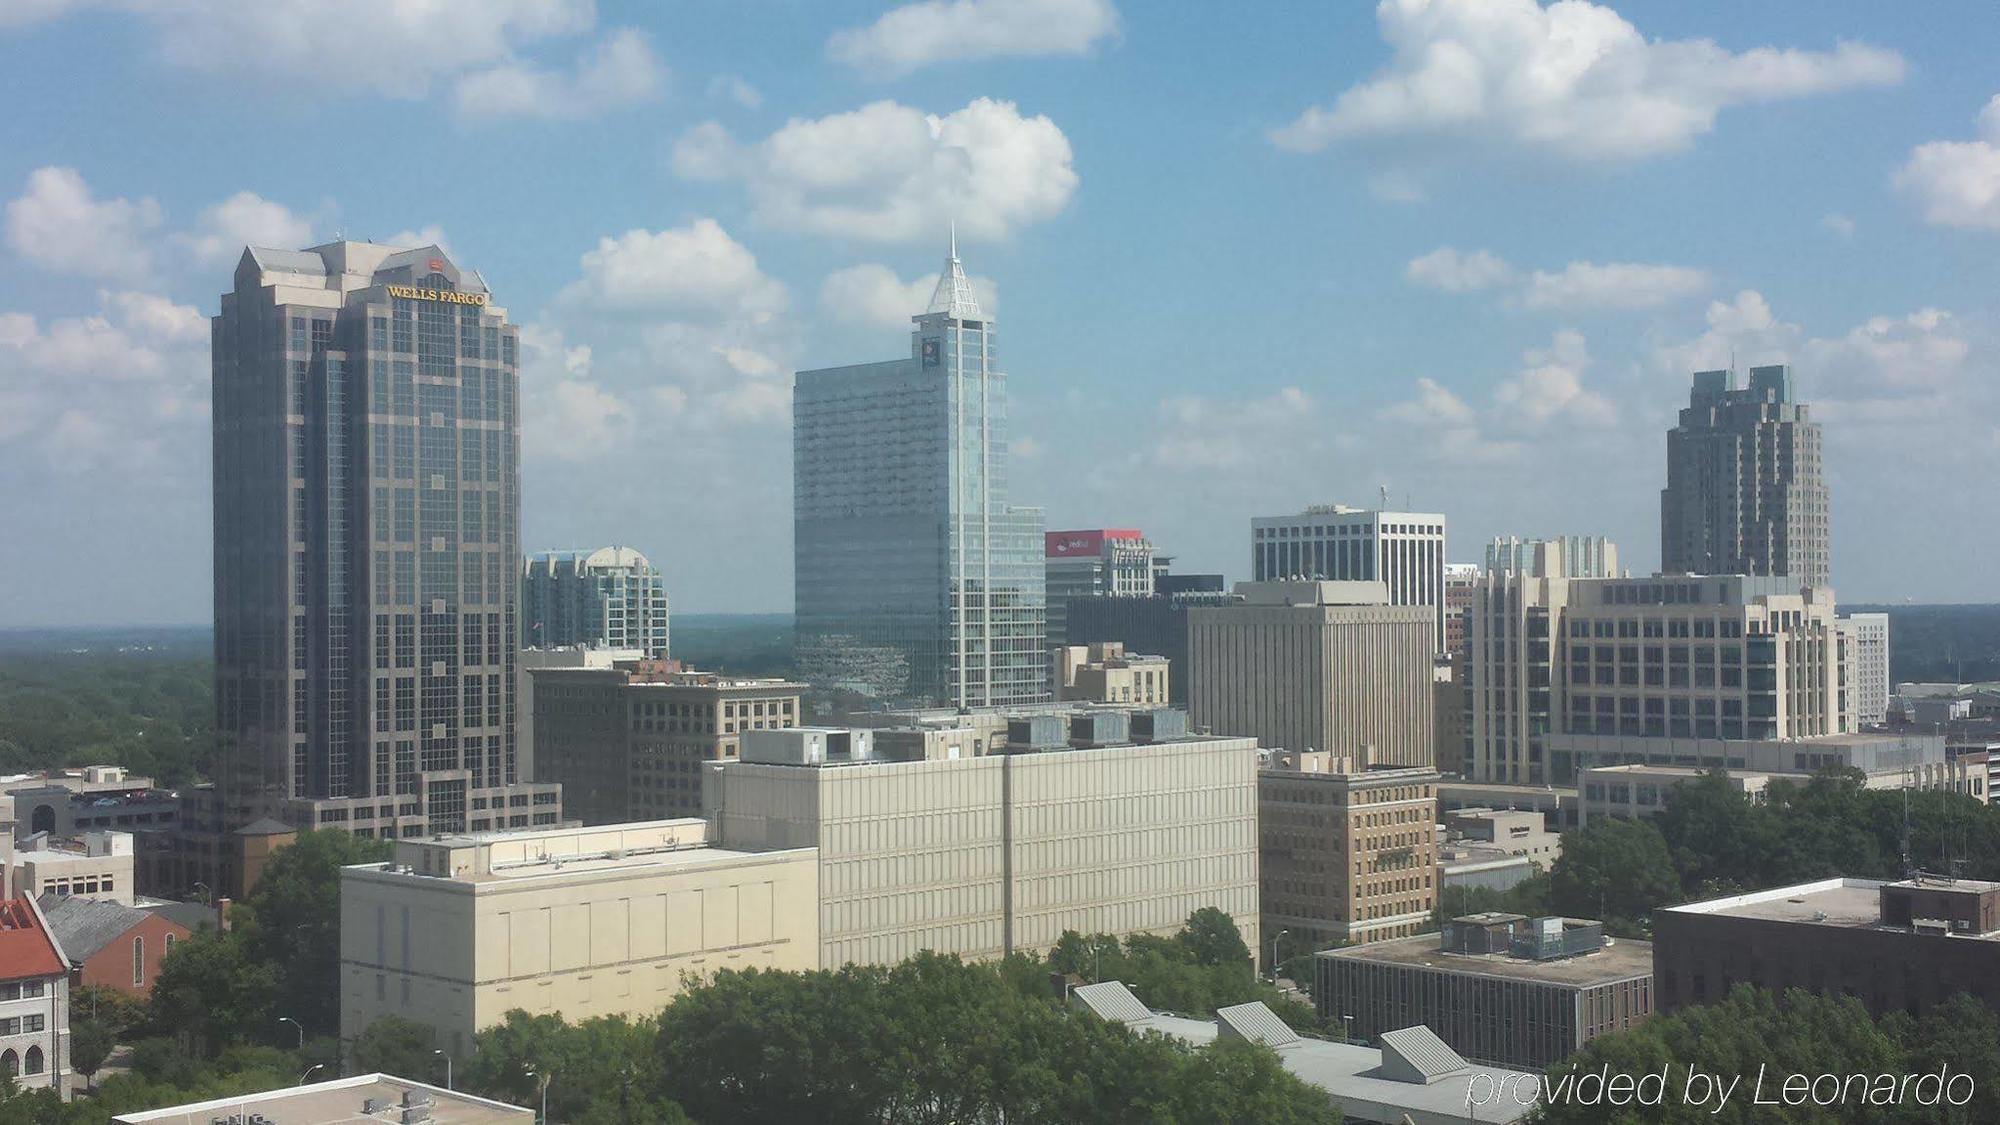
(1615,870)
(291,920)
(1212,938)
(394,1045)
(605,1066)
(211,992)
(90,1043)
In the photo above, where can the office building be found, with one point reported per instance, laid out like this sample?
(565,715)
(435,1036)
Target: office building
(457,931)
(1106,562)
(1745,491)
(340,1101)
(1460,580)
(608,598)
(1156,625)
(1864,659)
(1001,853)
(1583,556)
(1558,665)
(1644,789)
(367,553)
(1515,832)
(1106,673)
(627,742)
(110,945)
(1904,946)
(1165,582)
(1498,988)
(1345,855)
(1402,550)
(100,865)
(1312,665)
(34,998)
(916,578)
(1410,1078)
(67,803)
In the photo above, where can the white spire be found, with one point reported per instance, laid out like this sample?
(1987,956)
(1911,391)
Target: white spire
(953,296)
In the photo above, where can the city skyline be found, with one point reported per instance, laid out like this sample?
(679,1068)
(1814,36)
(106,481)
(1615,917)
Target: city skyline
(1472,349)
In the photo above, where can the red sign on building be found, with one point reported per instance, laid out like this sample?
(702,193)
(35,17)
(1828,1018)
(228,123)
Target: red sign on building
(1083,544)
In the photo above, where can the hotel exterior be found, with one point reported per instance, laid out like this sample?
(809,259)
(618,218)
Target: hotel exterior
(916,579)
(367,513)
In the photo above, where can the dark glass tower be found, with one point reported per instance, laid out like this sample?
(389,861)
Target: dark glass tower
(915,579)
(367,554)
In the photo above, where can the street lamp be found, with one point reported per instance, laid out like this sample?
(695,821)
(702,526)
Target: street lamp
(1274,953)
(1348,1022)
(309,1072)
(300,1026)
(545,1080)
(439,1052)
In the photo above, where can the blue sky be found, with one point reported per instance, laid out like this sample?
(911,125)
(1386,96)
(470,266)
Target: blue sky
(1467,252)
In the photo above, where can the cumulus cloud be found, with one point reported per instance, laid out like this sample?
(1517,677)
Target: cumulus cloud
(58,224)
(1432,406)
(1578,285)
(1199,433)
(890,173)
(871,293)
(934,31)
(619,70)
(697,267)
(1572,80)
(574,418)
(1957,183)
(1550,386)
(732,87)
(244,219)
(429,235)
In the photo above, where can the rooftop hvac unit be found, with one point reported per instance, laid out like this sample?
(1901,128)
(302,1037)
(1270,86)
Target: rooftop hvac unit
(373,1106)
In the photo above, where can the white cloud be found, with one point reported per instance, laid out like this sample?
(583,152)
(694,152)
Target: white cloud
(1451,271)
(57,224)
(573,417)
(1432,406)
(732,87)
(697,267)
(888,173)
(20,13)
(1957,183)
(1572,80)
(429,235)
(1200,434)
(244,219)
(871,293)
(1578,285)
(1615,285)
(1838,224)
(619,70)
(934,31)
(1550,386)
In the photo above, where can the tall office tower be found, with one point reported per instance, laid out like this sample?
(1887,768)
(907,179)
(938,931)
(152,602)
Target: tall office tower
(1114,562)
(1405,550)
(1460,579)
(1583,556)
(1744,490)
(608,598)
(367,511)
(915,578)
(1306,666)
(1864,669)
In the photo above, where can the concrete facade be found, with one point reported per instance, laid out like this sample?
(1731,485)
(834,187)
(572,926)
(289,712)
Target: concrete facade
(98,866)
(1316,666)
(1864,672)
(1106,673)
(34,998)
(1344,855)
(1003,853)
(1402,550)
(457,931)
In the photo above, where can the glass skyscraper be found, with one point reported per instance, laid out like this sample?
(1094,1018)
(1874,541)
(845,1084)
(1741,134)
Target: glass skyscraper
(367,555)
(611,597)
(916,580)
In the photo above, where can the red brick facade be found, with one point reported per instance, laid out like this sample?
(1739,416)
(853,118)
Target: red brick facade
(113,966)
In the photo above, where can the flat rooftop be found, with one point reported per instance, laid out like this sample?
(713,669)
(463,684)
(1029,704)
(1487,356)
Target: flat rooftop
(339,1102)
(1842,903)
(1620,959)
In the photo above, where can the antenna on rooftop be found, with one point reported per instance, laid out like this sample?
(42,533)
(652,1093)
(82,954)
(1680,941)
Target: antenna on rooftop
(1385,497)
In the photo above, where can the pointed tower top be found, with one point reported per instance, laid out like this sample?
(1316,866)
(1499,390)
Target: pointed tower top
(953,296)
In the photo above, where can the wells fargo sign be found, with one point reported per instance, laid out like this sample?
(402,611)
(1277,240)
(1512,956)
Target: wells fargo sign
(445,295)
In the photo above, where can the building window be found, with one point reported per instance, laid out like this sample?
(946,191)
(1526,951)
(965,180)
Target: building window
(138,961)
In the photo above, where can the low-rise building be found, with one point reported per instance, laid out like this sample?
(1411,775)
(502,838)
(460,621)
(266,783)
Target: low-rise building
(1903,946)
(340,1101)
(111,945)
(1558,804)
(34,998)
(578,922)
(1632,791)
(70,802)
(1516,832)
(1000,853)
(1105,673)
(1499,988)
(99,866)
(1410,1078)
(1345,855)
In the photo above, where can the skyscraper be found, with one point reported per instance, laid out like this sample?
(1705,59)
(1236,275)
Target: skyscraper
(367,512)
(1096,562)
(1403,550)
(915,578)
(1744,490)
(611,597)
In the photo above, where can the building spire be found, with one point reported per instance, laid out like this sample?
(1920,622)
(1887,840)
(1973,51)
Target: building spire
(953,296)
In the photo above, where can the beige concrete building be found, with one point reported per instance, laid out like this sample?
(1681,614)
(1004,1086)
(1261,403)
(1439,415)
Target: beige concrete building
(1313,665)
(340,1101)
(983,856)
(1344,855)
(1106,673)
(627,742)
(458,930)
(1639,789)
(98,866)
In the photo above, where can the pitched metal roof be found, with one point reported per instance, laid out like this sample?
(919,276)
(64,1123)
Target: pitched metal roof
(85,925)
(1256,1023)
(1416,1054)
(1111,1000)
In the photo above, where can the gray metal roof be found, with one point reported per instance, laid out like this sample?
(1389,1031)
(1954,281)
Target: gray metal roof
(1256,1023)
(290,261)
(1416,1054)
(84,925)
(1111,1000)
